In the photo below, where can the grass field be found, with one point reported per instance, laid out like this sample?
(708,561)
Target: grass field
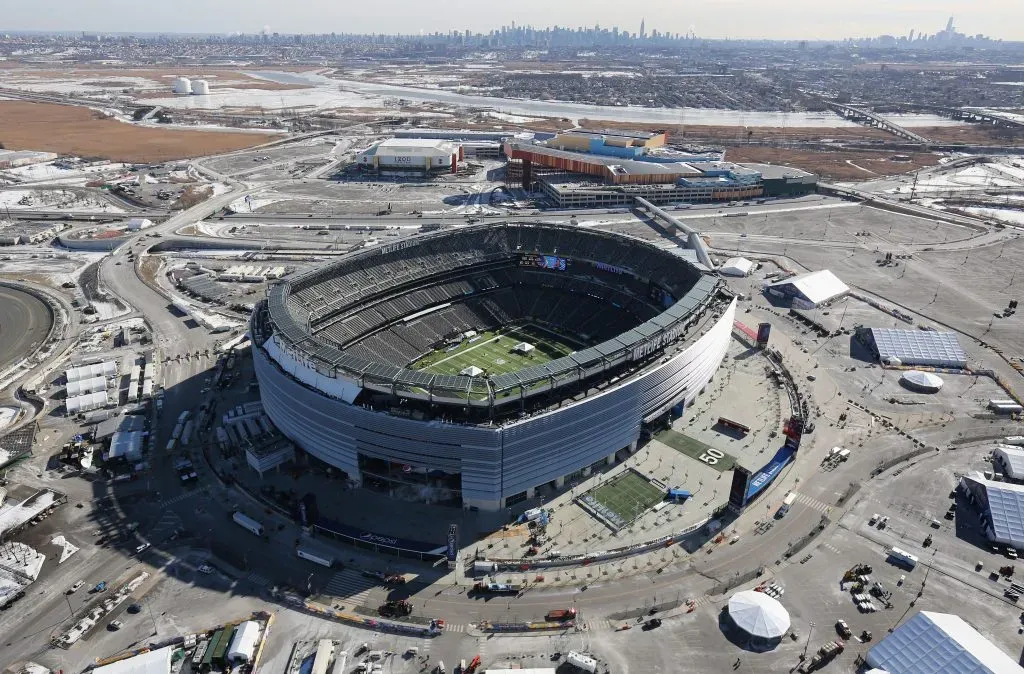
(492,352)
(696,449)
(627,495)
(67,129)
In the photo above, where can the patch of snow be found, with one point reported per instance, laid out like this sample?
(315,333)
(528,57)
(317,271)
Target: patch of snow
(53,200)
(1006,215)
(512,119)
(7,416)
(67,549)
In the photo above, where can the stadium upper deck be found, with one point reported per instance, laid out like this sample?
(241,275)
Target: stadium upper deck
(330,349)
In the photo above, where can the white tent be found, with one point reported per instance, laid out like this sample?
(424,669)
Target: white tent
(471,371)
(736,266)
(153,662)
(87,402)
(243,646)
(128,445)
(135,224)
(82,386)
(524,348)
(925,382)
(935,643)
(105,369)
(758,615)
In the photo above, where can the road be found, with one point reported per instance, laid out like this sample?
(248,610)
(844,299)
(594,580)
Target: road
(24,323)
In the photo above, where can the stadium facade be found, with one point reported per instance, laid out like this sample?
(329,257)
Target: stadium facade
(332,349)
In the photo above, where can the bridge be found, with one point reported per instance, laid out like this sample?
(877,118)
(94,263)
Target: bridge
(671,222)
(864,116)
(976,115)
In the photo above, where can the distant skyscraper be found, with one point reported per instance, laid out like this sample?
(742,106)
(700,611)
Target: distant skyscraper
(643,30)
(949,26)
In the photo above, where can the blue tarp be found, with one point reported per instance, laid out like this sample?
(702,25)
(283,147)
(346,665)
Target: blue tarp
(764,477)
(678,493)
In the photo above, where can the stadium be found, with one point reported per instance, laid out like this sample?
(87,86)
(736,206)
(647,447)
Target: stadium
(474,366)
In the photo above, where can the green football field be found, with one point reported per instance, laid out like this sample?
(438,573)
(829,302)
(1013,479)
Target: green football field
(492,352)
(627,495)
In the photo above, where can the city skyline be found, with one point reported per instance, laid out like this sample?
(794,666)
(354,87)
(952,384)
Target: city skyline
(799,20)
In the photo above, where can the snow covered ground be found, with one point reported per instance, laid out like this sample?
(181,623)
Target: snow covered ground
(7,416)
(47,171)
(1006,173)
(511,119)
(1007,215)
(19,567)
(53,200)
(252,204)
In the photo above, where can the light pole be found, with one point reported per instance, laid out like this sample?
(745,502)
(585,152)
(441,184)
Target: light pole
(807,643)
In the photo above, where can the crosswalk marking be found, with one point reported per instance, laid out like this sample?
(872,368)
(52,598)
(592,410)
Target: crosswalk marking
(455,628)
(181,497)
(258,579)
(831,547)
(350,585)
(812,502)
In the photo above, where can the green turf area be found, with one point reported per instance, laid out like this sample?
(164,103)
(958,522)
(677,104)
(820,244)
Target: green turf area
(696,449)
(491,351)
(627,496)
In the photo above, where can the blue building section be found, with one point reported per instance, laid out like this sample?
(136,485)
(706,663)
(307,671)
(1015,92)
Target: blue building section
(598,146)
(764,477)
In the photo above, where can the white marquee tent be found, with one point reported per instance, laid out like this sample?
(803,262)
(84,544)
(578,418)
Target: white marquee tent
(758,615)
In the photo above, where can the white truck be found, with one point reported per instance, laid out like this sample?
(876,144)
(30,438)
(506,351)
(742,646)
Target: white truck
(580,661)
(902,557)
(247,522)
(316,556)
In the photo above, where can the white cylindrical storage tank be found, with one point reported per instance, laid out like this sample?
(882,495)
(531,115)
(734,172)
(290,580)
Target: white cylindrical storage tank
(182,85)
(200,87)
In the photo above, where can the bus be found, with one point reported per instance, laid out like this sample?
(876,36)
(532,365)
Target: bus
(733,425)
(317,557)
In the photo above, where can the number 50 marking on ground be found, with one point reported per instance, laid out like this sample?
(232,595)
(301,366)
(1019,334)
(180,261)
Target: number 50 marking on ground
(711,456)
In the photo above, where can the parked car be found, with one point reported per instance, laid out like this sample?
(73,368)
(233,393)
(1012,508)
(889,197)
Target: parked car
(76,587)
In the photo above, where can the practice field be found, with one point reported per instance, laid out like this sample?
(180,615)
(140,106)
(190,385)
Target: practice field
(493,353)
(623,498)
(696,449)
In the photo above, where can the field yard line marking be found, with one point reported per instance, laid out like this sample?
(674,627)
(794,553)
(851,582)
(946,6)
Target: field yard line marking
(475,346)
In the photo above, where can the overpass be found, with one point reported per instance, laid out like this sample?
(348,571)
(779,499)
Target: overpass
(693,239)
(868,118)
(977,115)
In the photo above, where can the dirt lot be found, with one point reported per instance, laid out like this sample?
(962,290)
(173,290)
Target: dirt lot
(65,129)
(839,165)
(973,134)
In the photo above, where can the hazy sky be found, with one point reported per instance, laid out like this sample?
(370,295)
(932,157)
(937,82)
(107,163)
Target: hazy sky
(789,19)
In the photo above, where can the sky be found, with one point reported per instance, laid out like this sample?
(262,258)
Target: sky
(791,19)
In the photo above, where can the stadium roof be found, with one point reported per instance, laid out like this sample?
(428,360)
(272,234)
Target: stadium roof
(153,662)
(293,327)
(919,347)
(816,287)
(939,643)
(1004,509)
(615,164)
(1012,460)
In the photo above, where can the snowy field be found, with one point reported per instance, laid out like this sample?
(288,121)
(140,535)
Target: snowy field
(16,199)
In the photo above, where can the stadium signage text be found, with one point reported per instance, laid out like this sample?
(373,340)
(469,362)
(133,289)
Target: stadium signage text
(392,247)
(371,537)
(655,344)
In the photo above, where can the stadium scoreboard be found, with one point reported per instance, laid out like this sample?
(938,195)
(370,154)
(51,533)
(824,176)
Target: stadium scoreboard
(552,262)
